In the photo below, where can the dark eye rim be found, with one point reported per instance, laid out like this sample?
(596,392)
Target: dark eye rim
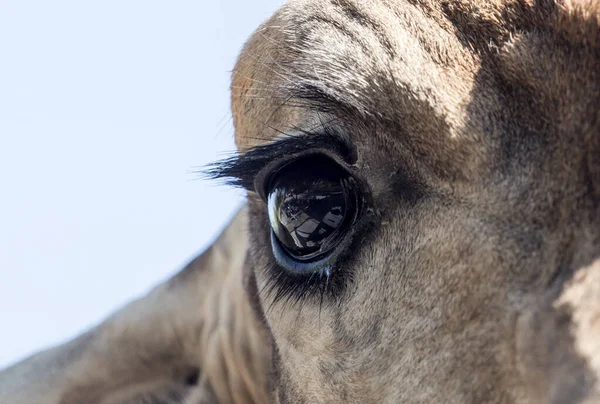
(327,259)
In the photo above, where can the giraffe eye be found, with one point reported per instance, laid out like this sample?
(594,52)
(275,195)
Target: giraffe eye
(312,202)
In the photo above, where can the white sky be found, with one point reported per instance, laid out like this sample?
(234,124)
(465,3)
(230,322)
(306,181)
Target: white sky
(106,108)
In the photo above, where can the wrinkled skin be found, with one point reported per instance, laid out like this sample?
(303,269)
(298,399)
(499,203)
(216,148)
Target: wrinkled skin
(475,127)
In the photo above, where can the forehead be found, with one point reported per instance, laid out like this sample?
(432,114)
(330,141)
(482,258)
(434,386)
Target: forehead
(389,61)
(425,76)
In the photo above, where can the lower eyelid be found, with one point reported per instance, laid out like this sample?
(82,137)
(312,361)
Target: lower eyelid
(327,282)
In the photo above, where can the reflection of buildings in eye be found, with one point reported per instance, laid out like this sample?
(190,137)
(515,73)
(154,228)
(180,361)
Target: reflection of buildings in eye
(332,219)
(302,232)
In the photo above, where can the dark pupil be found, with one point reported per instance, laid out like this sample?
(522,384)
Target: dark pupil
(308,203)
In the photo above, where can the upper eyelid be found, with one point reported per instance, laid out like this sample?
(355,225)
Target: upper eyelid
(243,170)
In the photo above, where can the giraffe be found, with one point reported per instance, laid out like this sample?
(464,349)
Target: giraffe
(421,226)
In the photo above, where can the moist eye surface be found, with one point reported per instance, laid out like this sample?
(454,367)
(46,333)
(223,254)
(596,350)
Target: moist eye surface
(311,203)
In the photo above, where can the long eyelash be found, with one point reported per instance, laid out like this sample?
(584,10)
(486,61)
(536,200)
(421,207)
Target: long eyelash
(289,290)
(241,169)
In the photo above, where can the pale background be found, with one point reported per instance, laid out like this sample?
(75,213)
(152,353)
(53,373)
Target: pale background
(106,109)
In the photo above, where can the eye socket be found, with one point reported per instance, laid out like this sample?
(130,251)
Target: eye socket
(312,203)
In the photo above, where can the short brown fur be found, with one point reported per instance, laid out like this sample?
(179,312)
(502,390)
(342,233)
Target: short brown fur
(476,129)
(493,107)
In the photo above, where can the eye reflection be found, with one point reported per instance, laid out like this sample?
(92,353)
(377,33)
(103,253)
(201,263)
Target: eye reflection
(307,207)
